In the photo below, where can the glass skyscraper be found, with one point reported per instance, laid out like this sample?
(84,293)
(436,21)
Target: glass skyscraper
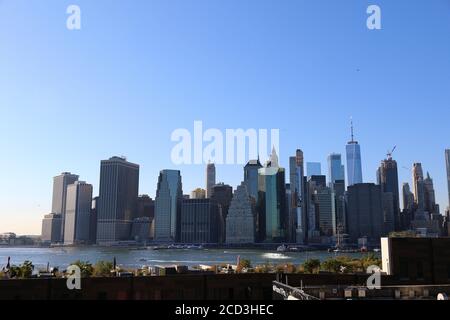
(169,194)
(251,177)
(354,167)
(313,169)
(336,169)
(272,215)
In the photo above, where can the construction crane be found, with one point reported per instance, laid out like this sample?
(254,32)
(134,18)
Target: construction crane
(389,154)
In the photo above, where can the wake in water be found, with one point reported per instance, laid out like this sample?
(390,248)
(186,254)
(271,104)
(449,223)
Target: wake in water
(275,256)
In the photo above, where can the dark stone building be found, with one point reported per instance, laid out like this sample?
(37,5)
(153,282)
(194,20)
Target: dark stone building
(222,194)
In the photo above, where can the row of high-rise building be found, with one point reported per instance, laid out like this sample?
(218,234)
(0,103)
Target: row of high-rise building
(269,206)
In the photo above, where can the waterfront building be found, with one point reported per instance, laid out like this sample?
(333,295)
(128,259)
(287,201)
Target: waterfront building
(251,177)
(354,167)
(169,195)
(51,228)
(140,229)
(210,178)
(93,222)
(240,221)
(272,211)
(199,221)
(145,207)
(119,187)
(78,213)
(365,212)
(60,184)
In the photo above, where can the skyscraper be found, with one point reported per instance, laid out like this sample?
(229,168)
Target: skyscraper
(354,169)
(222,195)
(408,197)
(336,170)
(388,179)
(313,169)
(119,187)
(447,163)
(78,213)
(199,221)
(241,218)
(365,212)
(324,202)
(169,194)
(251,177)
(210,178)
(298,212)
(60,184)
(51,228)
(419,188)
(272,211)
(430,196)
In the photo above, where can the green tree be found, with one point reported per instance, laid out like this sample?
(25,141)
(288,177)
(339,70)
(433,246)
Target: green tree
(311,265)
(103,269)
(85,267)
(24,270)
(331,265)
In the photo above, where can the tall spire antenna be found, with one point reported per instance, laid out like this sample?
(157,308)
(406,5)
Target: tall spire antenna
(351,126)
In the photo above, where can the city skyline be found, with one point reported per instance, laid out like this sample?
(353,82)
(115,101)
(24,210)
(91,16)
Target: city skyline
(67,100)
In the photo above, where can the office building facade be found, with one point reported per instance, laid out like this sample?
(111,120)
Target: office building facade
(210,178)
(119,187)
(297,219)
(241,220)
(199,221)
(78,213)
(169,194)
(272,211)
(251,177)
(388,180)
(60,184)
(51,228)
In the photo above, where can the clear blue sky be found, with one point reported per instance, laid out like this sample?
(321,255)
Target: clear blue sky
(137,70)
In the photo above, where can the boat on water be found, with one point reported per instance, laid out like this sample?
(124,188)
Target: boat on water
(282,248)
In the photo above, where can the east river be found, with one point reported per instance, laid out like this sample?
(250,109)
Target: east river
(63,256)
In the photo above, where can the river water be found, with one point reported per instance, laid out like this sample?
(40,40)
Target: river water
(62,257)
